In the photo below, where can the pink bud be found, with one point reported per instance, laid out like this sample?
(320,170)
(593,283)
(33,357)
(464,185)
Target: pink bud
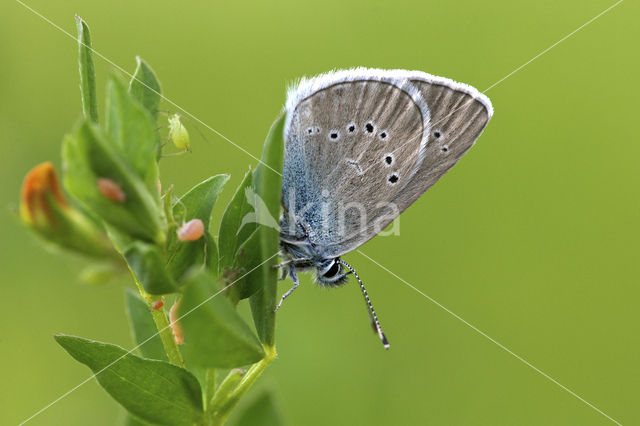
(191,231)
(111,190)
(178,335)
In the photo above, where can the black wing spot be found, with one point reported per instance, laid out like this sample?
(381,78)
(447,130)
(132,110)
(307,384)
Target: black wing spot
(309,130)
(437,134)
(318,129)
(351,128)
(388,159)
(383,135)
(393,178)
(444,149)
(334,135)
(369,127)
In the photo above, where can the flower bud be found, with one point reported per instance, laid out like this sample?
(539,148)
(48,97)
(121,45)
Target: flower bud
(44,209)
(111,190)
(191,231)
(176,329)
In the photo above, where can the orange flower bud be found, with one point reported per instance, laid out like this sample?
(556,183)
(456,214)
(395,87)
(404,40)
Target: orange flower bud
(191,231)
(40,189)
(44,209)
(157,305)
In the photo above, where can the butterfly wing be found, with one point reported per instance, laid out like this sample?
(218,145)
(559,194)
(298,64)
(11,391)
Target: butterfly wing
(459,114)
(353,140)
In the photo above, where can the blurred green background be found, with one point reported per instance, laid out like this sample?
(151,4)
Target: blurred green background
(532,238)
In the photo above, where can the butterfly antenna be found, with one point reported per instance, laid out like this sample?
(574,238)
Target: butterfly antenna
(372,312)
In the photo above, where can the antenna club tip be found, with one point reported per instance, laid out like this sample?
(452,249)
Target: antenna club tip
(385,342)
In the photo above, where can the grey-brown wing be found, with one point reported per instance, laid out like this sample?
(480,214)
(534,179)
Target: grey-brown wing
(459,114)
(353,140)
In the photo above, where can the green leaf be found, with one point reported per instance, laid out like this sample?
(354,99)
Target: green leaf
(155,391)
(261,412)
(148,263)
(99,273)
(267,183)
(145,87)
(87,72)
(211,254)
(143,327)
(214,333)
(134,421)
(88,155)
(198,202)
(247,269)
(230,236)
(134,135)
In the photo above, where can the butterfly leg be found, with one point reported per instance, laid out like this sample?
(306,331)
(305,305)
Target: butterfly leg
(289,262)
(294,278)
(283,274)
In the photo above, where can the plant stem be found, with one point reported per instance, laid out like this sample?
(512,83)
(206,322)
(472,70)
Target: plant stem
(222,406)
(162,324)
(210,385)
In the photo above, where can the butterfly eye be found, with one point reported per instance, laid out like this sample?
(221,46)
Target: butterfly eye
(333,271)
(334,135)
(392,179)
(369,127)
(388,159)
(351,128)
(383,135)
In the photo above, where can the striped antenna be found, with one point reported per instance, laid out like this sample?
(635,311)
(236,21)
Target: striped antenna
(372,314)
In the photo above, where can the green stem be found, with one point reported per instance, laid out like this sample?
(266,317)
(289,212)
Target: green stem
(162,324)
(222,406)
(210,385)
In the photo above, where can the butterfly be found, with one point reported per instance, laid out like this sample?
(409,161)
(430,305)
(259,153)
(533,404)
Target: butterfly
(361,145)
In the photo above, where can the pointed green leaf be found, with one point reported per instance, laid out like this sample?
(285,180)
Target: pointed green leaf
(145,87)
(261,412)
(88,155)
(214,333)
(155,391)
(198,202)
(87,72)
(248,271)
(268,186)
(148,263)
(211,254)
(143,327)
(134,135)
(230,236)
